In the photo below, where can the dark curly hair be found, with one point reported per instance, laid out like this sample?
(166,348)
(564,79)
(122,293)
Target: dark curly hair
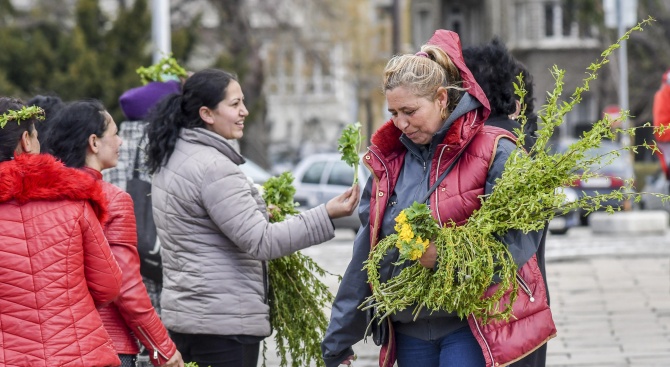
(495,70)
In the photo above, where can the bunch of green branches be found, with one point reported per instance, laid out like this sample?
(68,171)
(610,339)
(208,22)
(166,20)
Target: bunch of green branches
(294,285)
(525,198)
(165,69)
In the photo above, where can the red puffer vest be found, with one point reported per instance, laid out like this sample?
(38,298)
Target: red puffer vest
(55,266)
(456,198)
(131,316)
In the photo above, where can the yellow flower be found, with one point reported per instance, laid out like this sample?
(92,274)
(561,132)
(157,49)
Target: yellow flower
(406,233)
(424,243)
(415,254)
(401,218)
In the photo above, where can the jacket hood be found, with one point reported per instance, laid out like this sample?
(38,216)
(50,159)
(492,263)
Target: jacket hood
(473,107)
(203,136)
(31,177)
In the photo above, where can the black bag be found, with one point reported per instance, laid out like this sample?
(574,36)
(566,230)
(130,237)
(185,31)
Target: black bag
(148,244)
(379,330)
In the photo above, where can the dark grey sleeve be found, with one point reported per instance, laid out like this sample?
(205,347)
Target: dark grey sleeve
(347,323)
(521,245)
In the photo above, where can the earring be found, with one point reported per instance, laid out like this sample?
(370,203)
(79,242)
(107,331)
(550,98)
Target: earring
(443,113)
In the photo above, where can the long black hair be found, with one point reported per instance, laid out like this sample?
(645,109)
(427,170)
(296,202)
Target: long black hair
(51,104)
(204,88)
(71,128)
(10,135)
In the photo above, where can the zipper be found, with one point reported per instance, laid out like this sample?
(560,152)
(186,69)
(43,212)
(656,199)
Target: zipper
(525,287)
(153,346)
(481,334)
(437,206)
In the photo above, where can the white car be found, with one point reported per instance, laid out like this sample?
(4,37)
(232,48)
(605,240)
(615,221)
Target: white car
(321,177)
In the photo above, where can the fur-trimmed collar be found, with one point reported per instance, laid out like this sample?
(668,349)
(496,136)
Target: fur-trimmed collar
(31,177)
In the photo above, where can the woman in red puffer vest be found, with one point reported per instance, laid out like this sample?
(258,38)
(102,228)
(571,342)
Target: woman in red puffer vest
(84,135)
(55,263)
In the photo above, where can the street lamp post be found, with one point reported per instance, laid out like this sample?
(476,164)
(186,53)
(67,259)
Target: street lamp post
(160,29)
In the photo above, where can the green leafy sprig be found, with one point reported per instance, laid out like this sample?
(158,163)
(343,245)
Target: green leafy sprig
(294,285)
(159,72)
(24,114)
(525,198)
(349,145)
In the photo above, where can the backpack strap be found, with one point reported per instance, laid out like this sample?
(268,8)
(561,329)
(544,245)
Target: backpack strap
(136,163)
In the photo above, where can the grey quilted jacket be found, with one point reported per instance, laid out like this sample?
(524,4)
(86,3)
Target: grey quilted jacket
(215,236)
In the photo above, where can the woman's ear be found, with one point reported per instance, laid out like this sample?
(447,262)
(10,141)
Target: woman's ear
(516,112)
(93,143)
(206,115)
(25,144)
(442,97)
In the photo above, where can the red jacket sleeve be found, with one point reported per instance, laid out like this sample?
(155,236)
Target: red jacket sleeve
(661,112)
(133,303)
(103,275)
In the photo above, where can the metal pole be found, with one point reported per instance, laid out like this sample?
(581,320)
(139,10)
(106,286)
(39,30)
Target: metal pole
(623,73)
(160,29)
(395,15)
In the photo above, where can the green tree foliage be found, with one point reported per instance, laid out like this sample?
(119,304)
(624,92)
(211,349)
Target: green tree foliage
(88,56)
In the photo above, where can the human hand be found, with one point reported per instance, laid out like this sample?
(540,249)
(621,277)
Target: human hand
(344,204)
(349,361)
(429,257)
(175,361)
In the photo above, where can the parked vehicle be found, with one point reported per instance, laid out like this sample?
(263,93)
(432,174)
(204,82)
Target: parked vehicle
(321,177)
(612,173)
(561,223)
(255,172)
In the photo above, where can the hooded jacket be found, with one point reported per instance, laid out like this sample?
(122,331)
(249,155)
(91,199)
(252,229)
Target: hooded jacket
(55,266)
(481,152)
(131,316)
(215,236)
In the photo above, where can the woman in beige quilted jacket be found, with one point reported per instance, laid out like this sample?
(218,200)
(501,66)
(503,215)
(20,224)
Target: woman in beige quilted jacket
(213,224)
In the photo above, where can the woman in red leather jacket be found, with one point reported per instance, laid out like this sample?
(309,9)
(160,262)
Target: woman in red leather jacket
(84,135)
(55,263)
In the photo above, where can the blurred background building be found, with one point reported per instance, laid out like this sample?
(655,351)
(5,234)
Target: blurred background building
(309,67)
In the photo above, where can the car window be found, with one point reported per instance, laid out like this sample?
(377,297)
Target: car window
(341,174)
(313,173)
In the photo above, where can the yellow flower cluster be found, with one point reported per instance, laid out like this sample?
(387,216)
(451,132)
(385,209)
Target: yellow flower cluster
(411,247)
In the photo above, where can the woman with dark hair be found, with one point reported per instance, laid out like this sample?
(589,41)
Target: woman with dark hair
(213,224)
(56,264)
(84,135)
(496,71)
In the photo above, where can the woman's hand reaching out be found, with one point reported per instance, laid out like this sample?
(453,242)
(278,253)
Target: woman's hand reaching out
(345,203)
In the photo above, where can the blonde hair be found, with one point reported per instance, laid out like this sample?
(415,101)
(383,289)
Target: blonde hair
(424,75)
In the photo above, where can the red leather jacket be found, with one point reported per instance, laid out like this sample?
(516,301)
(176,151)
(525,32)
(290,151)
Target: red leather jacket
(131,316)
(456,198)
(55,266)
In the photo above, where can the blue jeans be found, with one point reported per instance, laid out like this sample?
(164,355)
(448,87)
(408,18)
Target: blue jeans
(457,349)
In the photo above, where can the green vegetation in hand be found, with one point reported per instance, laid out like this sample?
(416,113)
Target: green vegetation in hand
(294,285)
(524,198)
(278,194)
(349,145)
(161,71)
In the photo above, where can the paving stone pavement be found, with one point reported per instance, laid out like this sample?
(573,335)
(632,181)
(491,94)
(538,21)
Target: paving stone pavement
(610,298)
